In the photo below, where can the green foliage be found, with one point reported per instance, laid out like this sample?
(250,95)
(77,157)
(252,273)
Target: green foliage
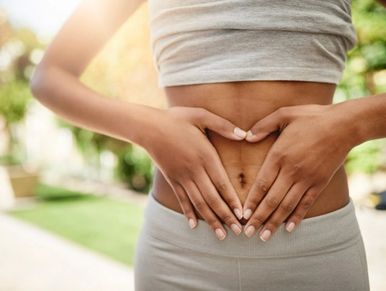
(88,142)
(369,21)
(364,62)
(135,168)
(16,47)
(50,193)
(10,160)
(375,55)
(366,158)
(14,99)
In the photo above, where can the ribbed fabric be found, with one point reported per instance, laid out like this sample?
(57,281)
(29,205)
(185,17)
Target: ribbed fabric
(312,236)
(197,41)
(324,252)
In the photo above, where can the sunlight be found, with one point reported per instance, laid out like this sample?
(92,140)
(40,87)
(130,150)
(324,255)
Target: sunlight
(47,17)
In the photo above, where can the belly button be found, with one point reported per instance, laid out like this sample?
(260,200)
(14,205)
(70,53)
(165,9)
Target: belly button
(241,179)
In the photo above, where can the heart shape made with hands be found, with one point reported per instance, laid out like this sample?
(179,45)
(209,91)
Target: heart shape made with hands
(313,143)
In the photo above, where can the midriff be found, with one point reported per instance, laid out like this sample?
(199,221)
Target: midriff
(244,103)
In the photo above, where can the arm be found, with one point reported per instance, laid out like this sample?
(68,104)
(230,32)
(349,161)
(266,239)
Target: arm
(194,172)
(366,117)
(55,82)
(289,182)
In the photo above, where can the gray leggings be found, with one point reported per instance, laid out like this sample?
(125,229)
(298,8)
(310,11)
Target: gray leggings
(323,253)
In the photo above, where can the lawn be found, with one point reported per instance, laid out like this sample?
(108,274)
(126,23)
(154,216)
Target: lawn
(102,224)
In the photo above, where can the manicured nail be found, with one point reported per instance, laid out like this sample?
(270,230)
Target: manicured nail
(265,235)
(238,213)
(250,230)
(249,134)
(239,132)
(290,226)
(247,213)
(192,223)
(236,229)
(220,233)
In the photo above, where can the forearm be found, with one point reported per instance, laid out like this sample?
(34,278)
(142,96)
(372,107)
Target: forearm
(65,95)
(365,117)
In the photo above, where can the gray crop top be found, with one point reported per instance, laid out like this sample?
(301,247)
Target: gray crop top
(207,41)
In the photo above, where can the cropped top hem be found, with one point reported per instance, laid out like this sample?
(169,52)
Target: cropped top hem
(255,74)
(207,41)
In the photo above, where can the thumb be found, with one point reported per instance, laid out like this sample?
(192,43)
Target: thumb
(275,121)
(221,126)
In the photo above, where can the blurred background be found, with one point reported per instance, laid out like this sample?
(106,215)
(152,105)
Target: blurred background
(71,200)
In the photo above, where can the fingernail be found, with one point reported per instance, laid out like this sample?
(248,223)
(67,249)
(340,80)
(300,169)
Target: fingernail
(265,235)
(220,233)
(192,223)
(249,134)
(250,230)
(236,229)
(247,213)
(290,226)
(239,132)
(238,213)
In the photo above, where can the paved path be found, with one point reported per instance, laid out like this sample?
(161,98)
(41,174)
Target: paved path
(34,260)
(373,225)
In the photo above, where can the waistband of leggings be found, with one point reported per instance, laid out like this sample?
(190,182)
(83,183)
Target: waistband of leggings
(318,234)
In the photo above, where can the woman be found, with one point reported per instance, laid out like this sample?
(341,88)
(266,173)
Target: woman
(250,142)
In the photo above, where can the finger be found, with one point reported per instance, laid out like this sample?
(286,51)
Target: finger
(285,208)
(277,120)
(302,208)
(264,180)
(270,202)
(220,125)
(217,204)
(186,205)
(202,207)
(216,172)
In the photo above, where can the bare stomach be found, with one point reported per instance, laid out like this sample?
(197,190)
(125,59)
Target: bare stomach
(244,103)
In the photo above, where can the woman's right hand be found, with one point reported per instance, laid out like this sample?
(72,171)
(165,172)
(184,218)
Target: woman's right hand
(189,162)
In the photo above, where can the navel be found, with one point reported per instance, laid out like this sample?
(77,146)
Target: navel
(242,179)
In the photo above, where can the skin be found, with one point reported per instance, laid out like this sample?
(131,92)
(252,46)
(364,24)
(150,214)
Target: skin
(289,182)
(194,170)
(284,186)
(213,171)
(244,104)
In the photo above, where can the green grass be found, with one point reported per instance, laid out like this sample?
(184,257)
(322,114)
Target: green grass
(102,224)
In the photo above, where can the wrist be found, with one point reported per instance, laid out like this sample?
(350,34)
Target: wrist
(351,120)
(147,125)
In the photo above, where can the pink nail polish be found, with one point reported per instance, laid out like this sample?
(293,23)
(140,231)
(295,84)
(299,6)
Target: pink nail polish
(239,133)
(247,213)
(236,229)
(249,231)
(265,235)
(220,233)
(290,226)
(238,213)
(192,223)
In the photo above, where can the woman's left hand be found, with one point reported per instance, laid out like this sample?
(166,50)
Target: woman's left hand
(313,143)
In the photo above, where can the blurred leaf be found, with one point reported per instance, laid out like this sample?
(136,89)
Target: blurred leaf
(14,99)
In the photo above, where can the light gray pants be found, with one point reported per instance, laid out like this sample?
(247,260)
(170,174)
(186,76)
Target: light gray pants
(323,253)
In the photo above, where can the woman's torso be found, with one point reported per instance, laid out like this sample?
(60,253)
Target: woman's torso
(244,103)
